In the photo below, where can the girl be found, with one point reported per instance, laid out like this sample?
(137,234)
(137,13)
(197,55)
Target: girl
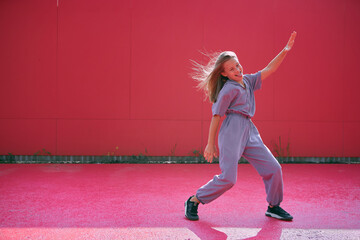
(232,93)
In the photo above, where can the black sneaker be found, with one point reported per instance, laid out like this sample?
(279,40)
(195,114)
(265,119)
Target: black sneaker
(191,210)
(279,213)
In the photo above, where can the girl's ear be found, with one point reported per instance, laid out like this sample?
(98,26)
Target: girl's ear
(223,74)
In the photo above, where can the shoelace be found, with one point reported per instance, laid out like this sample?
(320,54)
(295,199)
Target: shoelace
(279,209)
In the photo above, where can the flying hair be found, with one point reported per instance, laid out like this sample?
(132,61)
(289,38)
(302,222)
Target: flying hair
(209,77)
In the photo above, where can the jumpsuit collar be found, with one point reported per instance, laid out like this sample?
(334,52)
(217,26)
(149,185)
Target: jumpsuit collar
(237,84)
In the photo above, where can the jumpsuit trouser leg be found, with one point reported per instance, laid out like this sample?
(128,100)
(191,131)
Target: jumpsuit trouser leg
(239,136)
(260,157)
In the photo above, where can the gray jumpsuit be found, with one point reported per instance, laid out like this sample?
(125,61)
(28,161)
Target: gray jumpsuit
(238,137)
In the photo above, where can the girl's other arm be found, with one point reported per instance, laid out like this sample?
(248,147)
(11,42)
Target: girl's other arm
(275,63)
(210,150)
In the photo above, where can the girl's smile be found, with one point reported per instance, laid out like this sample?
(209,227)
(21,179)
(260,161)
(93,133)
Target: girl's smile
(233,70)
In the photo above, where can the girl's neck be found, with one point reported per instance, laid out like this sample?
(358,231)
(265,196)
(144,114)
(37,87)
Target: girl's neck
(242,84)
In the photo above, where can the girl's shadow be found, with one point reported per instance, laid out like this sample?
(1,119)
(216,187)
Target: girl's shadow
(205,231)
(272,229)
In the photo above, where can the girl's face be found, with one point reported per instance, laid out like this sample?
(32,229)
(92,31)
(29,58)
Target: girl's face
(233,70)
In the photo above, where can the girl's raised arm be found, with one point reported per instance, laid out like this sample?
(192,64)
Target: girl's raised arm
(275,63)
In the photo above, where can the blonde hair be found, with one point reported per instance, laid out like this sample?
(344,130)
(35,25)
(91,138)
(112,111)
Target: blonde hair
(209,76)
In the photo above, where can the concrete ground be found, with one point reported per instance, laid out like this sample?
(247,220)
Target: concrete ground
(144,201)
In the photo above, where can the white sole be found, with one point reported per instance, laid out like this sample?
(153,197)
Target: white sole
(269,214)
(185,209)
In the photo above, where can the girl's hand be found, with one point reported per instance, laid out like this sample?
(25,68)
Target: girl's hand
(210,152)
(291,41)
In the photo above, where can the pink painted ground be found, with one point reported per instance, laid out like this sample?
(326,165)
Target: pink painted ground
(137,201)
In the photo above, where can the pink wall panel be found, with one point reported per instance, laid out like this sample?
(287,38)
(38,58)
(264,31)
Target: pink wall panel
(206,109)
(133,137)
(308,139)
(160,86)
(28,59)
(241,27)
(85,77)
(349,77)
(264,100)
(351,142)
(27,136)
(94,59)
(320,37)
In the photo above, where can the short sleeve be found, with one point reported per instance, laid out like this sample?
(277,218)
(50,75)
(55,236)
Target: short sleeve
(226,95)
(254,80)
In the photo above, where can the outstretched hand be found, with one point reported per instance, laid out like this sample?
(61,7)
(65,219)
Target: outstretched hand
(291,41)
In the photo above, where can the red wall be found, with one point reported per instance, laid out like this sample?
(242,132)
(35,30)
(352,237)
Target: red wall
(88,77)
